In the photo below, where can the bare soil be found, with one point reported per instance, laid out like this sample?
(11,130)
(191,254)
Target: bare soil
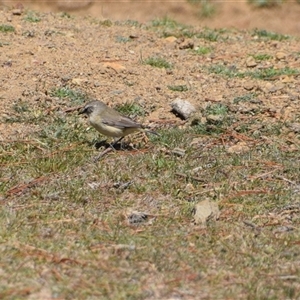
(282,18)
(106,62)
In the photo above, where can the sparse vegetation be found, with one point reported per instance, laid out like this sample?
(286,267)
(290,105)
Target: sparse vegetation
(265,3)
(169,27)
(206,8)
(65,15)
(178,88)
(263,74)
(217,109)
(76,97)
(269,73)
(211,35)
(122,39)
(131,23)
(157,62)
(245,98)
(261,57)
(6,28)
(106,23)
(264,34)
(131,109)
(228,71)
(202,50)
(166,22)
(22,113)
(32,17)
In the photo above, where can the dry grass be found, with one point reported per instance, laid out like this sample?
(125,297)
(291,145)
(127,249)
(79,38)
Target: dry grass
(122,228)
(65,229)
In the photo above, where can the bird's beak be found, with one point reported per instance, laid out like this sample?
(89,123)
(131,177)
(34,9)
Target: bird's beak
(81,111)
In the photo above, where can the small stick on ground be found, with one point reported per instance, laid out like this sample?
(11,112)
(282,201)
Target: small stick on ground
(107,150)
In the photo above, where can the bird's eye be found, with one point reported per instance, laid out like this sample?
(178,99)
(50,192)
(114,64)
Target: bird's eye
(89,110)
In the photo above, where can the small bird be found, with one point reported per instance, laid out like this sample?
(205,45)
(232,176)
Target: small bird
(110,122)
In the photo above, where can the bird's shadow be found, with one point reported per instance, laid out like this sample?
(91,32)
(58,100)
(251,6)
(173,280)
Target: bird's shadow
(119,146)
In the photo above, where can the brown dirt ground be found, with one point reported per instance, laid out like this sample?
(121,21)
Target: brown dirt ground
(238,14)
(83,54)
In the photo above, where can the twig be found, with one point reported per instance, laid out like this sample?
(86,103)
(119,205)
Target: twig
(71,109)
(107,150)
(261,175)
(34,251)
(246,192)
(112,60)
(287,180)
(54,221)
(19,188)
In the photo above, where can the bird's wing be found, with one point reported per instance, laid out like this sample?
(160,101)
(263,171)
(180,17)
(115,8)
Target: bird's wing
(121,122)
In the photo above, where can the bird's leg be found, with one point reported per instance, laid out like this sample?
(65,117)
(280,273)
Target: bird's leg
(116,142)
(107,150)
(111,148)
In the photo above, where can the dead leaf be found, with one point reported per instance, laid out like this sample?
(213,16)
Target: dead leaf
(79,81)
(206,210)
(171,39)
(115,66)
(280,55)
(240,147)
(250,62)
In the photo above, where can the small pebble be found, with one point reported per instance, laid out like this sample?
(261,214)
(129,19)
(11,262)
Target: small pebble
(183,108)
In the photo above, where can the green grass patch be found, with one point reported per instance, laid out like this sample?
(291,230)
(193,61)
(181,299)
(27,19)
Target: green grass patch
(32,17)
(262,57)
(60,128)
(169,27)
(217,109)
(65,15)
(211,35)
(106,23)
(206,8)
(122,39)
(269,73)
(225,71)
(218,120)
(157,62)
(3,44)
(131,109)
(202,50)
(178,88)
(245,98)
(263,74)
(76,96)
(268,35)
(131,23)
(171,138)
(23,113)
(6,28)
(166,22)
